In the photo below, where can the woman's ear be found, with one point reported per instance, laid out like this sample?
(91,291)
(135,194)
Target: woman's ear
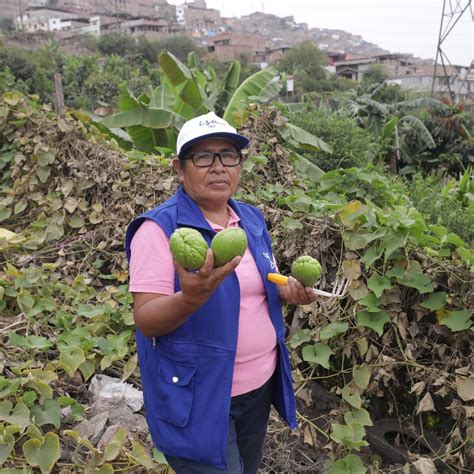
(178,166)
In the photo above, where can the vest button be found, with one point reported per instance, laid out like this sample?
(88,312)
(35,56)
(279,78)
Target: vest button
(175,379)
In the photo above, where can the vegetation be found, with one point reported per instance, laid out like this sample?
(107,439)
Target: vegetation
(351,145)
(305,62)
(398,345)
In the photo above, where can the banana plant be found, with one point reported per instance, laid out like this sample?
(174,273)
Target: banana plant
(394,124)
(153,119)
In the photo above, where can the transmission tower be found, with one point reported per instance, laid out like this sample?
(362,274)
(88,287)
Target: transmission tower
(453,11)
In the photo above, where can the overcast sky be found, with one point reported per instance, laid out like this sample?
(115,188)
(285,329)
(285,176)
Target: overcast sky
(406,26)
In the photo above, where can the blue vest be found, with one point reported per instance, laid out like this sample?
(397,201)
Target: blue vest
(187,374)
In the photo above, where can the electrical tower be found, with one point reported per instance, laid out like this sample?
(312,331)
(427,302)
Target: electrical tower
(453,11)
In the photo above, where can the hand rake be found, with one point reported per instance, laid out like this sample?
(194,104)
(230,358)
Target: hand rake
(341,284)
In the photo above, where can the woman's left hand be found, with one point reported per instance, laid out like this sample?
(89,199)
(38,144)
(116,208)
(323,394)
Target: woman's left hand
(295,293)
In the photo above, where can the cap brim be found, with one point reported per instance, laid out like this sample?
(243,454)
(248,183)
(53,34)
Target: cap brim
(238,140)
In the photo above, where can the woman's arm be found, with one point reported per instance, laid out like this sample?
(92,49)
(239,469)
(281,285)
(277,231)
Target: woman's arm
(157,314)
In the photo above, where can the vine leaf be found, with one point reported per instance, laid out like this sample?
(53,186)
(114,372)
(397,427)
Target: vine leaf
(19,416)
(303,335)
(113,447)
(141,454)
(351,463)
(455,320)
(333,329)
(49,414)
(372,303)
(375,321)
(7,441)
(358,415)
(42,453)
(353,399)
(349,435)
(361,376)
(373,254)
(378,284)
(71,358)
(318,353)
(435,301)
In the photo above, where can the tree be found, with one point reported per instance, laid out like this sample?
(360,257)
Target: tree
(7,25)
(376,74)
(117,43)
(179,45)
(306,63)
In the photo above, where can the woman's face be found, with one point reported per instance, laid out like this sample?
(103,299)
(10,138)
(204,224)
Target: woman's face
(214,185)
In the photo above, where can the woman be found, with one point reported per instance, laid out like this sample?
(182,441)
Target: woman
(210,343)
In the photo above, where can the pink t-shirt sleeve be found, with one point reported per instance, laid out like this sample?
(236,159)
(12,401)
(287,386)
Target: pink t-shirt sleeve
(151,263)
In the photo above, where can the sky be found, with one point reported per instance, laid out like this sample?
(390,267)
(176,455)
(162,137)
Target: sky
(405,26)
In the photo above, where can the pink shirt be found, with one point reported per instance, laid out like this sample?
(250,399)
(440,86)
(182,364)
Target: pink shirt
(152,271)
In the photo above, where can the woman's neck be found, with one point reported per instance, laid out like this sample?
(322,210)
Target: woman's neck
(218,216)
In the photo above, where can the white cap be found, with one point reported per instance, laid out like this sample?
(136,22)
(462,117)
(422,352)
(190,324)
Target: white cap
(207,126)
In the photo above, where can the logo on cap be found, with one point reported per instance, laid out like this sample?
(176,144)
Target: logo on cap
(210,123)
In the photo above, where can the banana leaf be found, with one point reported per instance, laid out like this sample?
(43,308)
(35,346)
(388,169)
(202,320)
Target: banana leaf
(422,133)
(231,82)
(182,78)
(296,136)
(261,84)
(389,127)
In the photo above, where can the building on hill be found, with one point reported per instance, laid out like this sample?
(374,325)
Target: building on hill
(355,69)
(456,79)
(150,28)
(231,46)
(269,56)
(46,19)
(197,17)
(163,9)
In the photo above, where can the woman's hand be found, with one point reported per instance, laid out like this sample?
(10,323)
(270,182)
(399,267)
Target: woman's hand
(295,293)
(197,287)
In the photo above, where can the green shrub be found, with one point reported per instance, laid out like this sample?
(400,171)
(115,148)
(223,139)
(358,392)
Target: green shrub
(440,200)
(351,145)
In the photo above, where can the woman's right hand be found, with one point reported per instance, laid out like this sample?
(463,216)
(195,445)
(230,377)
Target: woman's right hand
(197,287)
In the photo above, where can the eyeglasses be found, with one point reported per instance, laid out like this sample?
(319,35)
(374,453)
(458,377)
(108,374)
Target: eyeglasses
(205,159)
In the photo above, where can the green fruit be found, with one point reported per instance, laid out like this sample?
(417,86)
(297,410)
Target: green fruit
(227,244)
(306,270)
(188,248)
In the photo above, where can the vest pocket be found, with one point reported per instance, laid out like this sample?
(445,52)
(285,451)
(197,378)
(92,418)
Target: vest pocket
(175,391)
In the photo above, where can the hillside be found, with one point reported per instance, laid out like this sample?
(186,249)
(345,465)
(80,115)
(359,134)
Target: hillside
(285,31)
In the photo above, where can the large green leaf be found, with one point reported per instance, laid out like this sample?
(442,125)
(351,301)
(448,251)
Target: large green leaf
(422,102)
(417,126)
(389,127)
(300,137)
(183,79)
(435,301)
(42,453)
(147,117)
(375,321)
(455,320)
(163,97)
(318,353)
(306,168)
(351,464)
(7,441)
(231,82)
(379,283)
(49,414)
(264,84)
(333,329)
